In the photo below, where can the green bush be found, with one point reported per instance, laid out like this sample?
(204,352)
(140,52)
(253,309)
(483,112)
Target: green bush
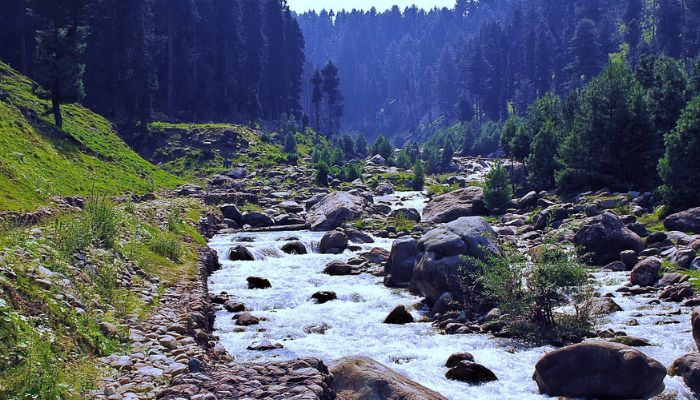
(497,188)
(418,175)
(97,224)
(166,244)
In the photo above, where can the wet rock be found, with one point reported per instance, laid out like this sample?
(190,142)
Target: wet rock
(335,209)
(318,329)
(629,258)
(695,324)
(240,253)
(333,242)
(688,367)
(220,298)
(324,297)
(599,370)
(257,220)
(264,345)
(684,221)
(631,341)
(646,272)
(445,303)
(410,214)
(451,206)
(440,253)
(233,306)
(617,266)
(604,237)
(605,306)
(471,372)
(377,256)
(294,248)
(402,259)
(399,316)
(356,236)
(230,211)
(338,268)
(247,319)
(361,378)
(195,365)
(255,282)
(456,358)
(384,189)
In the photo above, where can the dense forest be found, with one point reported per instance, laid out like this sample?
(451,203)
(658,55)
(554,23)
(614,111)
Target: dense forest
(205,60)
(401,71)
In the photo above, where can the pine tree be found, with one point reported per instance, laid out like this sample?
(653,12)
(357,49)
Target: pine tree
(60,48)
(333,96)
(542,162)
(585,52)
(361,146)
(317,97)
(669,27)
(497,188)
(419,175)
(679,168)
(448,153)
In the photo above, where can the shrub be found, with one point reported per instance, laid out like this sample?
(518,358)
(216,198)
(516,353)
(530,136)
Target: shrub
(97,224)
(166,244)
(497,189)
(418,175)
(322,171)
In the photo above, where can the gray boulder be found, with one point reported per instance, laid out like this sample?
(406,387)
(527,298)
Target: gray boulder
(361,378)
(402,259)
(646,272)
(333,242)
(257,220)
(335,209)
(451,206)
(441,253)
(604,237)
(688,367)
(684,221)
(599,370)
(695,324)
(230,211)
(410,214)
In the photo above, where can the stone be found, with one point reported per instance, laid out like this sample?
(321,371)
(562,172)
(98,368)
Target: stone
(377,256)
(108,329)
(168,341)
(604,306)
(333,242)
(294,248)
(324,297)
(240,253)
(684,221)
(688,367)
(399,316)
(384,189)
(441,251)
(599,370)
(255,282)
(335,209)
(247,319)
(230,211)
(451,206)
(233,306)
(361,378)
(604,237)
(471,372)
(695,324)
(646,272)
(528,201)
(631,341)
(616,266)
(257,220)
(264,345)
(195,365)
(410,214)
(338,268)
(456,358)
(445,303)
(402,259)
(629,258)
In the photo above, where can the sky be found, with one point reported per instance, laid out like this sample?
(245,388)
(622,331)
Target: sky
(381,5)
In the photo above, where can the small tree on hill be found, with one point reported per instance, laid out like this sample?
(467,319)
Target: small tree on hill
(679,168)
(497,190)
(419,175)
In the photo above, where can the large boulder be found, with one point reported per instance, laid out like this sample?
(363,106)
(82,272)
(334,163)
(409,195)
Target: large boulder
(240,253)
(257,219)
(442,251)
(335,209)
(402,259)
(688,367)
(695,323)
(460,203)
(361,378)
(684,221)
(230,211)
(410,214)
(333,242)
(471,372)
(604,237)
(599,370)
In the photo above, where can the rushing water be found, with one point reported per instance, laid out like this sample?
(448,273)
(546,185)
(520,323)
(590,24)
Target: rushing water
(354,322)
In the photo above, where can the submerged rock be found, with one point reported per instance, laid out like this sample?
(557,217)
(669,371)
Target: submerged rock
(456,358)
(246,319)
(688,367)
(361,378)
(599,370)
(294,248)
(338,268)
(255,282)
(333,242)
(240,253)
(471,372)
(399,316)
(324,297)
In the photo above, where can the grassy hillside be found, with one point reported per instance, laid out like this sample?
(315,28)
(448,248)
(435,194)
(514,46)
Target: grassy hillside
(37,161)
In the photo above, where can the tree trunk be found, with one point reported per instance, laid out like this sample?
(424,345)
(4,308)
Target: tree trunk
(56,105)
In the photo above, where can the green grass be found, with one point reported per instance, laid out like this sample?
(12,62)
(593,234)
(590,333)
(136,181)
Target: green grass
(37,161)
(654,221)
(437,190)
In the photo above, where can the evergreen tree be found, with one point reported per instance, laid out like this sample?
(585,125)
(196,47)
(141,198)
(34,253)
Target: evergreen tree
(669,23)
(510,129)
(448,153)
(679,168)
(667,84)
(290,143)
(60,48)
(419,175)
(497,189)
(585,52)
(361,146)
(333,97)
(542,163)
(317,97)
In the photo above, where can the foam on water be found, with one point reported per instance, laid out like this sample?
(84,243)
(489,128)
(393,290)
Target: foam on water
(354,321)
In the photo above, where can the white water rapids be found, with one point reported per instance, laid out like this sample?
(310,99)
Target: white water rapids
(418,351)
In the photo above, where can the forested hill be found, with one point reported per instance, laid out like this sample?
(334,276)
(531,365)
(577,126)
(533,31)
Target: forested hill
(205,60)
(402,68)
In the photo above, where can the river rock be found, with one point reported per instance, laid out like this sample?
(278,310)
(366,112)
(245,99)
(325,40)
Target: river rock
(333,242)
(247,319)
(604,237)
(338,268)
(629,258)
(599,370)
(684,221)
(688,367)
(451,206)
(257,220)
(410,214)
(440,253)
(230,211)
(294,248)
(240,253)
(695,324)
(377,256)
(384,189)
(604,306)
(399,316)
(324,297)
(264,345)
(646,272)
(335,209)
(456,358)
(471,372)
(234,306)
(255,282)
(361,378)
(402,259)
